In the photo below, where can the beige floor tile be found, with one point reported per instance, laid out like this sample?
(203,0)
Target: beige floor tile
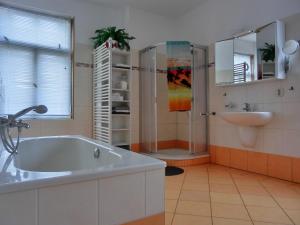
(199,196)
(273,182)
(270,215)
(288,203)
(220,180)
(223,188)
(170,205)
(168,218)
(193,208)
(196,181)
(191,220)
(173,185)
(195,186)
(219,174)
(246,182)
(198,174)
(172,193)
(222,221)
(256,200)
(253,190)
(226,198)
(263,223)
(229,211)
(294,215)
(177,178)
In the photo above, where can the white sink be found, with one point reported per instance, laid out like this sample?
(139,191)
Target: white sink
(248,123)
(247,118)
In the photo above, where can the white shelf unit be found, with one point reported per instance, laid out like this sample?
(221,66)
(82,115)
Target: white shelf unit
(111,96)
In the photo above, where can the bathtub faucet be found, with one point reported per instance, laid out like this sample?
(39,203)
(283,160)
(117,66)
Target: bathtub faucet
(11,122)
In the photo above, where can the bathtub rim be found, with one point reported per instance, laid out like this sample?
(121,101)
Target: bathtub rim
(141,163)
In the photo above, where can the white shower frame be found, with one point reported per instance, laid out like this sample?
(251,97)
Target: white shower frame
(205,49)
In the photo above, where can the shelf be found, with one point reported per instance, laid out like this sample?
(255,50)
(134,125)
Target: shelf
(121,129)
(119,100)
(121,69)
(120,52)
(118,89)
(120,114)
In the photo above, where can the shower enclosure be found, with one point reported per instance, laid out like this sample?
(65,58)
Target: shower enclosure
(180,134)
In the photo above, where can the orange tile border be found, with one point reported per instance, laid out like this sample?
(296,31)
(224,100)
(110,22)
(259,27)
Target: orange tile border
(257,162)
(277,166)
(182,144)
(280,167)
(161,145)
(166,144)
(223,156)
(188,162)
(212,153)
(296,170)
(135,147)
(238,159)
(158,219)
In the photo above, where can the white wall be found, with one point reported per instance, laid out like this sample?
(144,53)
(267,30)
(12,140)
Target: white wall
(149,28)
(216,20)
(281,135)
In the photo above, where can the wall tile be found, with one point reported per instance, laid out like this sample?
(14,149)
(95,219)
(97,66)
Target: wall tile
(155,192)
(116,193)
(71,204)
(291,143)
(273,141)
(18,208)
(291,114)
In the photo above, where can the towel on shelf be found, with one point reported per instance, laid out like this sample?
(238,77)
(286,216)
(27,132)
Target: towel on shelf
(179,73)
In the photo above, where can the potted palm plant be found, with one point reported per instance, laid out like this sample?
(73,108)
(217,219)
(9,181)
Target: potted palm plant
(119,36)
(268,53)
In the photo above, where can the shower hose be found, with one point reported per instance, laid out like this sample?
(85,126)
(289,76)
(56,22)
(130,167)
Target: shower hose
(7,139)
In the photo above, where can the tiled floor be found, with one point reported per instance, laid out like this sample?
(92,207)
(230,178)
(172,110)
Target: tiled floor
(217,195)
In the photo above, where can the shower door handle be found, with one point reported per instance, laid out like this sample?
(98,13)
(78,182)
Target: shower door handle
(208,114)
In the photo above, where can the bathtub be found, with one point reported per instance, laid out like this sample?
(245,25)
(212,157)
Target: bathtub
(73,180)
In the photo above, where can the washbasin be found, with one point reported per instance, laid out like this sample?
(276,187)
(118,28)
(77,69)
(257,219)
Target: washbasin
(251,119)
(247,124)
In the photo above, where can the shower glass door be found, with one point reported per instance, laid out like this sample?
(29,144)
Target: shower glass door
(147,101)
(198,120)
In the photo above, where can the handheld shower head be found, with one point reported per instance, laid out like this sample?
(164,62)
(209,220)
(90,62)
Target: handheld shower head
(40,109)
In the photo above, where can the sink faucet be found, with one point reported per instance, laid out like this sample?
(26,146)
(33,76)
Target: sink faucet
(11,122)
(247,107)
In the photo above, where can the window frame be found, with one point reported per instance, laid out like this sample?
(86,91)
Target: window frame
(36,47)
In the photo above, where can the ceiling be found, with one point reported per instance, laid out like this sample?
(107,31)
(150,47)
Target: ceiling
(168,8)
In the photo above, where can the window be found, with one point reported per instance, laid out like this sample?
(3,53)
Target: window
(35,62)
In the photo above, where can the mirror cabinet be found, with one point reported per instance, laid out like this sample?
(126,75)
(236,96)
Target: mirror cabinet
(251,56)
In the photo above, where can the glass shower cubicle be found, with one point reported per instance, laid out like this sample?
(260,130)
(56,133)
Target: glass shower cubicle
(165,132)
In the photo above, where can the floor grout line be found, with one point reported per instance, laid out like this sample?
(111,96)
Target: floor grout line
(181,186)
(277,202)
(205,170)
(210,201)
(236,186)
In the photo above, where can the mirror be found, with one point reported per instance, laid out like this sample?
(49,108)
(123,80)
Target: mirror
(251,56)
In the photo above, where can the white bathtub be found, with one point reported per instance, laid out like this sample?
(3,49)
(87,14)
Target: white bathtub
(60,180)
